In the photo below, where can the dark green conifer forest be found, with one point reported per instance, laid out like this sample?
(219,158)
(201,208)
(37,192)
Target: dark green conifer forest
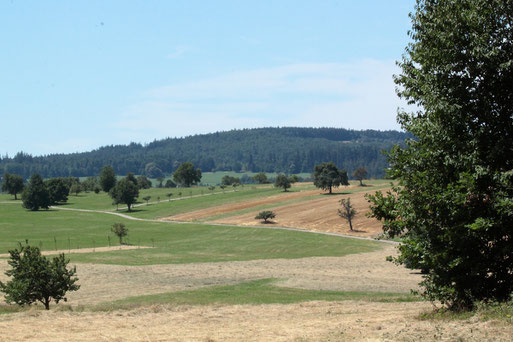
(284,150)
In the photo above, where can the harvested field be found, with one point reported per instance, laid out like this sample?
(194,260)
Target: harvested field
(317,214)
(355,272)
(312,321)
(227,208)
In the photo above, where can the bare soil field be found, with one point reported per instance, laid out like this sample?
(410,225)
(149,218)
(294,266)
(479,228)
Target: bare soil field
(320,214)
(355,272)
(312,321)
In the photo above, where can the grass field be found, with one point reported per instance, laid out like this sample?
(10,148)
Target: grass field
(175,243)
(256,292)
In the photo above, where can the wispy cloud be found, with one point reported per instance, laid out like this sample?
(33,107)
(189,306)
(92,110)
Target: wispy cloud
(355,95)
(178,52)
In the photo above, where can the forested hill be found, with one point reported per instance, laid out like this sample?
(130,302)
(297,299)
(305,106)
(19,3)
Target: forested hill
(287,149)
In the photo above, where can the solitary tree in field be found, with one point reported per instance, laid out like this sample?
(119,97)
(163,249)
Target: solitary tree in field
(120,230)
(360,174)
(35,195)
(186,175)
(211,188)
(147,199)
(347,212)
(453,202)
(327,176)
(37,279)
(282,182)
(107,178)
(169,196)
(265,215)
(125,192)
(12,184)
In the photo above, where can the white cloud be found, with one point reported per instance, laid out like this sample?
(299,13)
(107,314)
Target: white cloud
(356,95)
(178,52)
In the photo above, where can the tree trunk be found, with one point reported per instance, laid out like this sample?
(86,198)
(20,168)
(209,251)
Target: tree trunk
(361,182)
(47,303)
(15,198)
(330,189)
(350,225)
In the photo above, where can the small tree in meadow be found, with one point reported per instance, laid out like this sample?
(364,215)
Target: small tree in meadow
(360,174)
(282,182)
(169,196)
(120,230)
(265,215)
(347,212)
(147,199)
(37,279)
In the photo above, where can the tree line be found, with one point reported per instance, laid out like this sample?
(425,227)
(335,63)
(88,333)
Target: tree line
(287,150)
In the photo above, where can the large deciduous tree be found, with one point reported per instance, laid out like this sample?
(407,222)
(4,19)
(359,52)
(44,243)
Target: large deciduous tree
(453,202)
(327,176)
(12,184)
(107,178)
(36,194)
(186,175)
(125,192)
(37,279)
(58,190)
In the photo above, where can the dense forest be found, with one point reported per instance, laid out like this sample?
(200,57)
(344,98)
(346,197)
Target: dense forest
(287,149)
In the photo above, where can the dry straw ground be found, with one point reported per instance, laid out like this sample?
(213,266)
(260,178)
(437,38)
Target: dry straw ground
(310,321)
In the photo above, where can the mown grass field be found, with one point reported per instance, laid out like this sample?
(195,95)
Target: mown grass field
(174,243)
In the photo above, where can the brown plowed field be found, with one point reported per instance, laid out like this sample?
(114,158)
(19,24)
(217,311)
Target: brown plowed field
(317,214)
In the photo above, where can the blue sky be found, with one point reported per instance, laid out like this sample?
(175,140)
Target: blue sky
(76,75)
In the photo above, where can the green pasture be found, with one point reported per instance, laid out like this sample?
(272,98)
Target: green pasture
(261,291)
(174,243)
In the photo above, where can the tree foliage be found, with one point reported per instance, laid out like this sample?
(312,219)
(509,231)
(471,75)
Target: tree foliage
(282,181)
(35,195)
(37,279)
(328,176)
(124,192)
(12,184)
(288,150)
(360,174)
(347,211)
(143,182)
(261,178)
(265,215)
(453,202)
(120,230)
(186,175)
(58,190)
(107,178)
(229,180)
